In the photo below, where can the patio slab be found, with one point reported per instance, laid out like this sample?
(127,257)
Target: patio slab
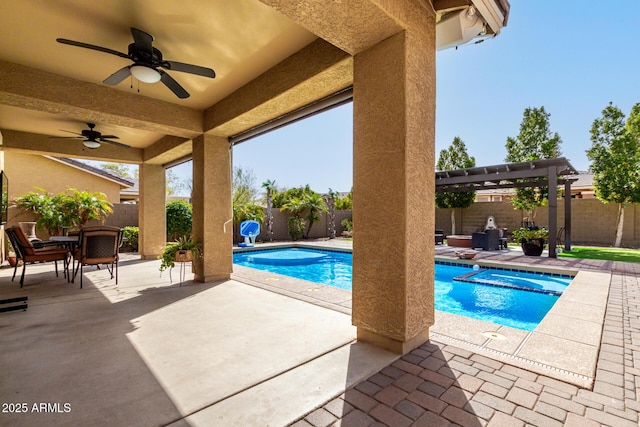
(152,352)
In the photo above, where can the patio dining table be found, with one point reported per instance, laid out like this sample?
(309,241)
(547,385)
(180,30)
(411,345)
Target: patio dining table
(70,242)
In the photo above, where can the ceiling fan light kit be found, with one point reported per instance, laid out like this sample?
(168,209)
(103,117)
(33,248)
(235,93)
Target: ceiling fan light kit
(145,74)
(91,144)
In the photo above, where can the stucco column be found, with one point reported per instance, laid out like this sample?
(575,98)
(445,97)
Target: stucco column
(394,189)
(3,249)
(152,211)
(212,207)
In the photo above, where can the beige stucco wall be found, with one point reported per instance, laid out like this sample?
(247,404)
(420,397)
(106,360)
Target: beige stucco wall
(27,171)
(593,222)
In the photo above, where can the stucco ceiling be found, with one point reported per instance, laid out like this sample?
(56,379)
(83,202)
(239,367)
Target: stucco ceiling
(239,39)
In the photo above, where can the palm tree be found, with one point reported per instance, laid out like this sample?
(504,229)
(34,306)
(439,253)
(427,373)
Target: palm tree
(90,206)
(295,206)
(315,204)
(330,200)
(270,186)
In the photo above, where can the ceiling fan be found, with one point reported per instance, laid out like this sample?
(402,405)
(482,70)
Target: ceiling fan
(92,138)
(147,63)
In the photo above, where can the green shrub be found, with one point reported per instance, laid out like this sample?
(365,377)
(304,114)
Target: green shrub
(296,227)
(345,203)
(131,234)
(347,224)
(179,219)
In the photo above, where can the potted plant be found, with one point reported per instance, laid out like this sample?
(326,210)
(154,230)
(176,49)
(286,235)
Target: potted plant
(11,254)
(184,249)
(531,239)
(63,210)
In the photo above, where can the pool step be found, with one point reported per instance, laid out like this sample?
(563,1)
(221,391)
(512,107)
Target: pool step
(470,278)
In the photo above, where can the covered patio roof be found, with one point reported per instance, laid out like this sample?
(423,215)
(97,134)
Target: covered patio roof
(536,173)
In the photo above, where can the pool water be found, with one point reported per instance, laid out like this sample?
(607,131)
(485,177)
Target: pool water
(489,295)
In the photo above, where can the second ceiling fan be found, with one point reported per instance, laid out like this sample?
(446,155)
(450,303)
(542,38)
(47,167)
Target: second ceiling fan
(92,138)
(148,63)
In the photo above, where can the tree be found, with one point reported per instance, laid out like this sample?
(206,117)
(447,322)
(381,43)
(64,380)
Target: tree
(118,168)
(344,203)
(615,157)
(89,206)
(314,203)
(534,142)
(295,206)
(269,185)
(173,182)
(243,187)
(73,208)
(455,157)
(330,201)
(296,201)
(244,195)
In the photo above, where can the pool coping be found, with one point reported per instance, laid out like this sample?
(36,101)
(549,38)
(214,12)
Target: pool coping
(564,346)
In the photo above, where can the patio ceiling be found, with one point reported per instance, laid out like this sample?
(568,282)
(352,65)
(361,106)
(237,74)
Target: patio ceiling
(46,86)
(266,67)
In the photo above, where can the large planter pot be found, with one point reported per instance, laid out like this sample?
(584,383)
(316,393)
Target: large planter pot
(29,229)
(533,247)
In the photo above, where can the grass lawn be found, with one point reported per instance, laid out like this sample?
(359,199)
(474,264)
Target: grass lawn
(609,254)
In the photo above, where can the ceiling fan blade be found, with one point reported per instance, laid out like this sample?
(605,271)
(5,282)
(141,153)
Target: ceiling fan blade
(192,69)
(66,137)
(93,47)
(119,144)
(108,137)
(173,85)
(142,40)
(68,131)
(118,76)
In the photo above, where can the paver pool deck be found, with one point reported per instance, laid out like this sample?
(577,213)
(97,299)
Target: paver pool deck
(268,350)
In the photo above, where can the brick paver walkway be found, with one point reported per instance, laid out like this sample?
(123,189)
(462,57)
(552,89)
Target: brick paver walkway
(441,385)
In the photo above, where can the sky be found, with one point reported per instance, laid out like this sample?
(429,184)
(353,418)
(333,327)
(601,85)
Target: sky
(571,57)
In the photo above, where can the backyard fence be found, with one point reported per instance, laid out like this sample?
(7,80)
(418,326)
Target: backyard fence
(593,222)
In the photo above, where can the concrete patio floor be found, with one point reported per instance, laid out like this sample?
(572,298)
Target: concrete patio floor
(277,351)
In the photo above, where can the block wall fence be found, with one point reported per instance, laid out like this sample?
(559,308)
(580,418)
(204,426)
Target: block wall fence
(593,222)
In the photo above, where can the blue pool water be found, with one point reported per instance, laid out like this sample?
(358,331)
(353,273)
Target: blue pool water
(497,296)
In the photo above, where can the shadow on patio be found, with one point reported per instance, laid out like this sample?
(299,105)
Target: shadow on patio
(147,352)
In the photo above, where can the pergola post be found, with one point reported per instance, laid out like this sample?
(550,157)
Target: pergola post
(553,210)
(567,215)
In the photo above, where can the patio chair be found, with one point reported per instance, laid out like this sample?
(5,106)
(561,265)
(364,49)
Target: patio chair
(28,254)
(98,245)
(439,237)
(489,240)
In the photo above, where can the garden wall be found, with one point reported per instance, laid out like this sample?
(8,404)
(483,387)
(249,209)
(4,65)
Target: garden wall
(319,229)
(593,222)
(124,214)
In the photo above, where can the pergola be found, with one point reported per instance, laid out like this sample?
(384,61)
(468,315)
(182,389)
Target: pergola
(534,174)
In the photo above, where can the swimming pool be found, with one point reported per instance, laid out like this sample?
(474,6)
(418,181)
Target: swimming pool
(512,298)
